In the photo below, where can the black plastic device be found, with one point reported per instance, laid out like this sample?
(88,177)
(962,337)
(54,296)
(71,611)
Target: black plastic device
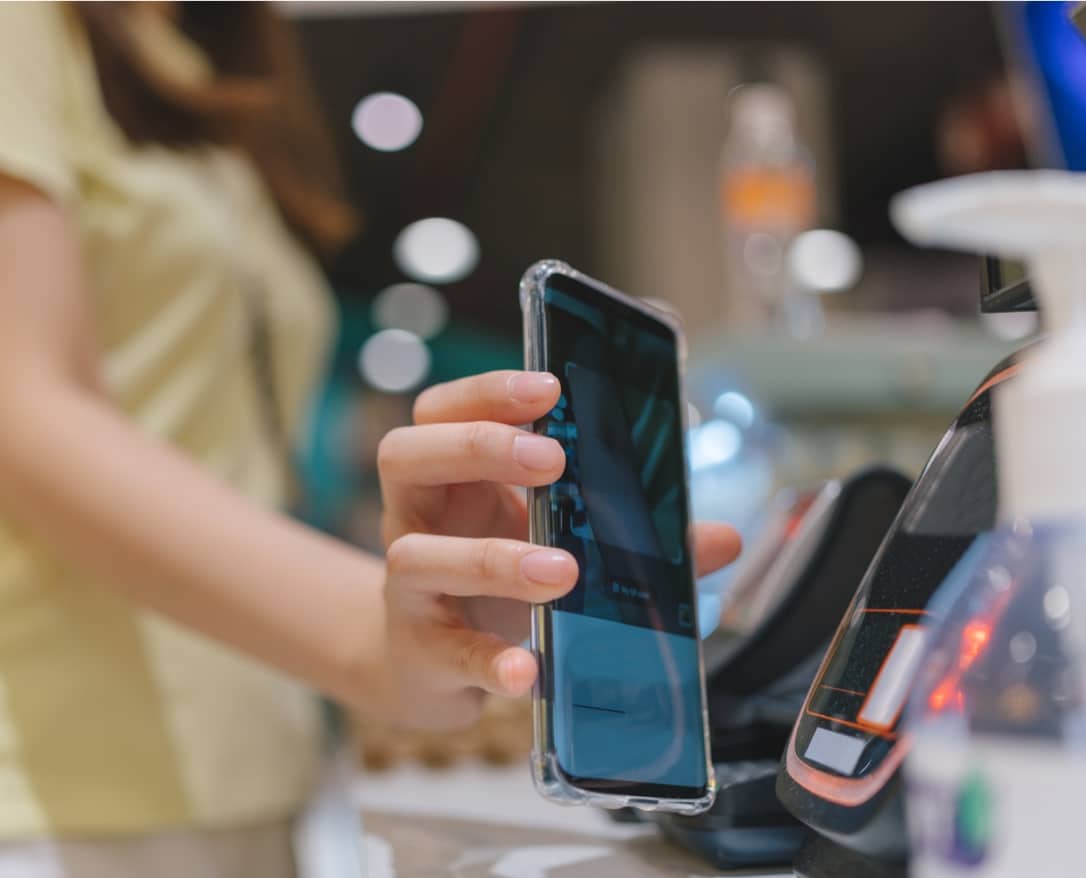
(1004,287)
(794,583)
(840,772)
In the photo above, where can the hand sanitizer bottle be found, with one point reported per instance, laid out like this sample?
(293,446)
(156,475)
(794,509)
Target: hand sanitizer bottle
(997,768)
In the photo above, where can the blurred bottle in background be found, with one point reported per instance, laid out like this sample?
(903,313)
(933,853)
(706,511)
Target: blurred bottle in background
(998,721)
(768,197)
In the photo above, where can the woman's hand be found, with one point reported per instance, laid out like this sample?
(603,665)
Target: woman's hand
(460,572)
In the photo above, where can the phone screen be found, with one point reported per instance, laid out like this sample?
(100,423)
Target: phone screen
(624,679)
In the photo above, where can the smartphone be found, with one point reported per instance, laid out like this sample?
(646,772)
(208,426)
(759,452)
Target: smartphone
(619,711)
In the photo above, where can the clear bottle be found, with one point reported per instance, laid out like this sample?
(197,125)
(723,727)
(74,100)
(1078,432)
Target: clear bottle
(767,192)
(997,721)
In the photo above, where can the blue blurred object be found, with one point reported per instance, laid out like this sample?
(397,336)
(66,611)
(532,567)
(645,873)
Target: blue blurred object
(732,479)
(1052,54)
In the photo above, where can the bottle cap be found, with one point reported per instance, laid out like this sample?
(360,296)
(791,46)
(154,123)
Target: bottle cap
(1040,414)
(763,111)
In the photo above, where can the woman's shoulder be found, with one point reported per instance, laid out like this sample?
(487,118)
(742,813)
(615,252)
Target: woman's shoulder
(41,66)
(35,27)
(42,47)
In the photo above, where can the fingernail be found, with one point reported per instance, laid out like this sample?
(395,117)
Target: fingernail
(531,386)
(536,452)
(547,566)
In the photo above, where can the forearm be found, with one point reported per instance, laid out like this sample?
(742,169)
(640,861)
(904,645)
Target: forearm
(152,525)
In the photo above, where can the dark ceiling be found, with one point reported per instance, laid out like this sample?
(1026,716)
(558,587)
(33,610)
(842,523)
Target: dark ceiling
(508,93)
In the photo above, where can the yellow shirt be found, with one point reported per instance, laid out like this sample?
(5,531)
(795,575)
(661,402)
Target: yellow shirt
(113,719)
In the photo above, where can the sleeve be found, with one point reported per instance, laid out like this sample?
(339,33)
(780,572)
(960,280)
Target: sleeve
(36,61)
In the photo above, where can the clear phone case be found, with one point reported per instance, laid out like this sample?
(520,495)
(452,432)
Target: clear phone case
(548,778)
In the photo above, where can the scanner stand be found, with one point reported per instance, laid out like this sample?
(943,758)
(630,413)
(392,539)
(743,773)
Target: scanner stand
(820,857)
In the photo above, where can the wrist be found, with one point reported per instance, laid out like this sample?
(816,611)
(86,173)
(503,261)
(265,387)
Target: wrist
(362,658)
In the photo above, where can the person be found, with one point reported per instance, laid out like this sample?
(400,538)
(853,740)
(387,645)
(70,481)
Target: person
(164,191)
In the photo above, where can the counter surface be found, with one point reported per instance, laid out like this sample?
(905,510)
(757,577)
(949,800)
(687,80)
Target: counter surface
(479,822)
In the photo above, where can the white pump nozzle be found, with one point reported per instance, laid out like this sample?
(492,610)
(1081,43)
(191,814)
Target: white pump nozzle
(1040,218)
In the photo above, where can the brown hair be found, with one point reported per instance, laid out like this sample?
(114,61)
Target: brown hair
(258,100)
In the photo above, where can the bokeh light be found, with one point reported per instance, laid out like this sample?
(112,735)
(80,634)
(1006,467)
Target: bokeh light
(824,261)
(394,360)
(714,443)
(386,121)
(415,307)
(734,407)
(437,250)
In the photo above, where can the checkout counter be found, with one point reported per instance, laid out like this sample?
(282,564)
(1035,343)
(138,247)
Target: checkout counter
(477,822)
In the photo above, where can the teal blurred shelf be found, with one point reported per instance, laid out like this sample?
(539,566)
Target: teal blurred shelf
(860,367)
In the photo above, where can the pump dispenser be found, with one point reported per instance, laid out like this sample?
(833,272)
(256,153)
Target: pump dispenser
(1040,417)
(997,719)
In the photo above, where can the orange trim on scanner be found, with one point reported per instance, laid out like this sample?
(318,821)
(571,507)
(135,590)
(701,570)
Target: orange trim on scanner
(847,791)
(879,731)
(850,792)
(896,611)
(860,727)
(999,377)
(839,689)
(883,727)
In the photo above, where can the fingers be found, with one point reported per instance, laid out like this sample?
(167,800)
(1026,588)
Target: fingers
(463,567)
(484,661)
(499,568)
(506,397)
(496,568)
(509,619)
(480,451)
(715,545)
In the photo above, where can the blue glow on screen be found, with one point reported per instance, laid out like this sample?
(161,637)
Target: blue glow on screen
(627,703)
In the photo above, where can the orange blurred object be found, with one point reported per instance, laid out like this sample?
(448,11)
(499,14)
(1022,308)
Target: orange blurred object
(974,638)
(759,197)
(948,695)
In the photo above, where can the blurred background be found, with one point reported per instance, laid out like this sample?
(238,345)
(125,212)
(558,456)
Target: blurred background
(731,161)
